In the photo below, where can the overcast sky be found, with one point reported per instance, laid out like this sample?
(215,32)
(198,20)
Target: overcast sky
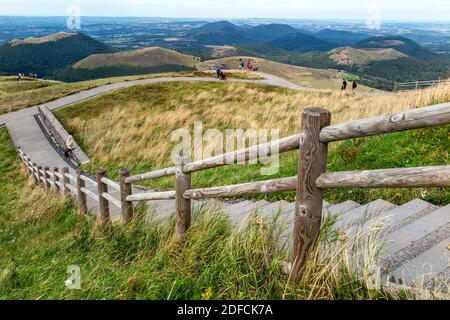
(406,10)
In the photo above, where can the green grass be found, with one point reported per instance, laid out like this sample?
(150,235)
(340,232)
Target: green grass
(19,95)
(426,147)
(41,235)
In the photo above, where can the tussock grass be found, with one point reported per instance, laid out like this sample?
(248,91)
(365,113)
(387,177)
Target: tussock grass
(133,127)
(18,95)
(41,235)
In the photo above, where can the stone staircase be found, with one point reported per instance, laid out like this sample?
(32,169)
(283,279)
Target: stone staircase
(415,236)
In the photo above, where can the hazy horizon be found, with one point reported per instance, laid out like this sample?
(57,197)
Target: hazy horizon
(432,11)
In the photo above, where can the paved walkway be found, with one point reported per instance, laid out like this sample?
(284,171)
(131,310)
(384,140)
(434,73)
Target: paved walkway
(27,134)
(418,232)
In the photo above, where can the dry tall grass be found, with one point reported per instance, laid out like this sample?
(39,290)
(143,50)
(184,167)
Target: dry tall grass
(133,126)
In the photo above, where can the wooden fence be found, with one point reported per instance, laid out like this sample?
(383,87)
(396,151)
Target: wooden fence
(401,86)
(312,141)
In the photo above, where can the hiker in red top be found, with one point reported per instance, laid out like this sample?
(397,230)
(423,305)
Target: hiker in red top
(250,65)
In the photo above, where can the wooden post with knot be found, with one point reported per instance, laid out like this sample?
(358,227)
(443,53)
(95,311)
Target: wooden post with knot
(309,200)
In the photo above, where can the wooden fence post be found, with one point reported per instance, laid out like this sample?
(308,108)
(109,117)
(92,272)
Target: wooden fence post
(82,200)
(309,200)
(27,165)
(35,171)
(183,205)
(65,182)
(125,191)
(41,183)
(55,181)
(103,204)
(46,177)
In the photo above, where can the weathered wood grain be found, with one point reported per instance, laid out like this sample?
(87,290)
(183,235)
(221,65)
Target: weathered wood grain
(183,204)
(254,152)
(90,194)
(148,196)
(269,186)
(111,183)
(125,191)
(55,181)
(412,119)
(35,174)
(40,176)
(309,200)
(152,175)
(103,204)
(387,178)
(89,180)
(82,200)
(65,182)
(113,200)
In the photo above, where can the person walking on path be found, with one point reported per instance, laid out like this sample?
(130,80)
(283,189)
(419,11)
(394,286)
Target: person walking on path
(354,86)
(344,85)
(218,72)
(70,146)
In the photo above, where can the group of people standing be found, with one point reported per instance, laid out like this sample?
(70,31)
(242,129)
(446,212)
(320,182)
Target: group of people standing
(31,75)
(250,65)
(345,84)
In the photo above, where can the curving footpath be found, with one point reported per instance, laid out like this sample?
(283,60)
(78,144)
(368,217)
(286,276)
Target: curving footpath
(418,233)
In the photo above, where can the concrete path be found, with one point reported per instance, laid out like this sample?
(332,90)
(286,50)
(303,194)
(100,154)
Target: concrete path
(416,234)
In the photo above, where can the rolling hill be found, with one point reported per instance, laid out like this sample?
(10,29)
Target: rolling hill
(339,37)
(356,57)
(404,45)
(300,42)
(45,55)
(269,32)
(147,57)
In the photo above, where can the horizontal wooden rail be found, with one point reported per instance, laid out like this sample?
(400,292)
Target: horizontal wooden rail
(111,199)
(72,189)
(167,195)
(151,175)
(269,186)
(59,175)
(59,184)
(90,194)
(70,177)
(49,173)
(254,152)
(89,180)
(50,181)
(412,119)
(387,178)
(111,183)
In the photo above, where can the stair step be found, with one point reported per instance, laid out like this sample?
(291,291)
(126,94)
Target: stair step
(407,213)
(393,219)
(425,266)
(430,228)
(238,211)
(340,208)
(364,213)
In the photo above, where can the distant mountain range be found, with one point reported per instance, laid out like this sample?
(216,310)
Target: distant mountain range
(75,56)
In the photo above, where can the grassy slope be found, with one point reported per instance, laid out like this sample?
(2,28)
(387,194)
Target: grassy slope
(18,95)
(40,236)
(352,56)
(141,57)
(133,127)
(308,77)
